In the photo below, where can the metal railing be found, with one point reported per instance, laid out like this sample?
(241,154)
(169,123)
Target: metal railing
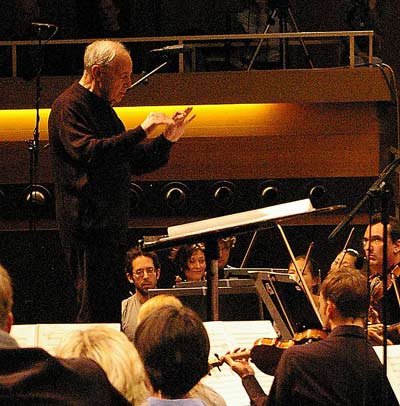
(199,41)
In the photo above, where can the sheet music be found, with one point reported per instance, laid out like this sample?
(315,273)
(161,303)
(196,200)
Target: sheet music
(241,219)
(229,385)
(25,334)
(48,336)
(226,336)
(393,366)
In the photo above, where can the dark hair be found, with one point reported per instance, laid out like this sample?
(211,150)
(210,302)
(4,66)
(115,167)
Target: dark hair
(311,263)
(359,259)
(347,288)
(393,230)
(137,252)
(183,255)
(228,241)
(174,348)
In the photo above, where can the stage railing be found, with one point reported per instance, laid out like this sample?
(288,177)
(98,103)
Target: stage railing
(201,41)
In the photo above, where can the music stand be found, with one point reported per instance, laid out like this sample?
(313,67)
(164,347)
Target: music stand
(245,273)
(239,299)
(210,230)
(286,302)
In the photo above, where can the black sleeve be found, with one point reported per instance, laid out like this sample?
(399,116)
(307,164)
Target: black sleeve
(148,156)
(254,390)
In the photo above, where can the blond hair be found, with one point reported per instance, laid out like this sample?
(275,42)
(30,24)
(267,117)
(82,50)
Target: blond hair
(157,302)
(6,296)
(113,351)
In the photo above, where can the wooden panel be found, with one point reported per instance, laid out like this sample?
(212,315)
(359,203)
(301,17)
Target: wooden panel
(294,141)
(276,86)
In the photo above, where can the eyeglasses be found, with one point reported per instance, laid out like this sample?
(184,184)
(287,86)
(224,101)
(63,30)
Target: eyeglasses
(140,272)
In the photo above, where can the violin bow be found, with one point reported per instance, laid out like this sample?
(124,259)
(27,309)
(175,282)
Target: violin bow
(248,249)
(299,274)
(345,246)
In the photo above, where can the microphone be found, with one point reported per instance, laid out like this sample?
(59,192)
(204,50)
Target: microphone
(44,25)
(171,49)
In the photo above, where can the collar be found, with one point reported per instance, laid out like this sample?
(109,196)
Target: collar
(348,330)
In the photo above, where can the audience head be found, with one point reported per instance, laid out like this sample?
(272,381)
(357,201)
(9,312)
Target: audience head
(116,355)
(347,258)
(156,303)
(143,270)
(344,295)
(310,272)
(373,244)
(225,245)
(191,262)
(174,347)
(107,70)
(6,300)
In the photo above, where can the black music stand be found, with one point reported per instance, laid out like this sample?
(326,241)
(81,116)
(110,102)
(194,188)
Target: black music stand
(286,302)
(238,298)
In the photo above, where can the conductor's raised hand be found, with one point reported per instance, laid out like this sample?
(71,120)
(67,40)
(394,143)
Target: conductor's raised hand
(181,119)
(155,119)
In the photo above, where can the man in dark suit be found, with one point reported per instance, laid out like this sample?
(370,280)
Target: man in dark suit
(342,369)
(31,376)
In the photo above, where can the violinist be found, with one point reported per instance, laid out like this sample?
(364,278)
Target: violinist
(311,274)
(342,369)
(373,247)
(348,257)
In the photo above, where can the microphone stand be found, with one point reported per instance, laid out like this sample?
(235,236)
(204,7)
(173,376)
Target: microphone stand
(376,187)
(33,145)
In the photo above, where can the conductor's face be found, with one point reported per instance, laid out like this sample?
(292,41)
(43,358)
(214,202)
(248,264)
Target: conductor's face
(115,79)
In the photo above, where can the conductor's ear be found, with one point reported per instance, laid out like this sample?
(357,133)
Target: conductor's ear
(96,72)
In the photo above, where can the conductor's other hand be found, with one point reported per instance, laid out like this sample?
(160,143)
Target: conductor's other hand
(180,120)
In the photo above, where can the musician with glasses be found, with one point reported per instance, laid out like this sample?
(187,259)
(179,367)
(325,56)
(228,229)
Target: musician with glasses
(143,271)
(373,248)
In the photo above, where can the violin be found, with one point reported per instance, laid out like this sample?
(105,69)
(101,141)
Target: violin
(266,352)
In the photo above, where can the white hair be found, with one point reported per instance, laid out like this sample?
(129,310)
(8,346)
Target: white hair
(102,53)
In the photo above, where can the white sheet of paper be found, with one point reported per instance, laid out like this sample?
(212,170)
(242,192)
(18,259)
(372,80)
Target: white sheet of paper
(393,366)
(240,219)
(48,336)
(226,336)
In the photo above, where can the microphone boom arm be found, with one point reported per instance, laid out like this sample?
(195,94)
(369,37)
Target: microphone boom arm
(377,186)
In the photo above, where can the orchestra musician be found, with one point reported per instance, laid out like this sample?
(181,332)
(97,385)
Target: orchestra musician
(373,247)
(190,262)
(348,257)
(311,274)
(342,369)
